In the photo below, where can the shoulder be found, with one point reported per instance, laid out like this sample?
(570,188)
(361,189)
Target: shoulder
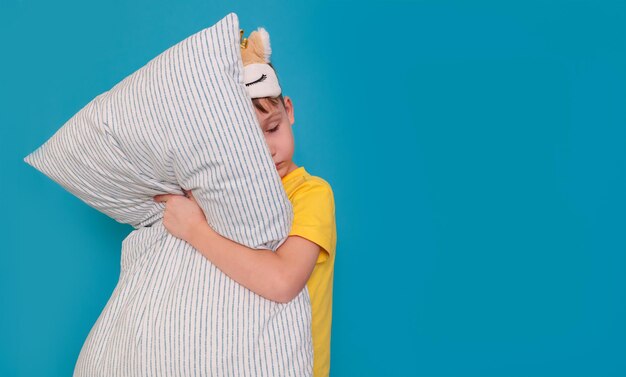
(314,214)
(313,186)
(317,183)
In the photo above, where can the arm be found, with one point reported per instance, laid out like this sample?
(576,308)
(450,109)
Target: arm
(278,276)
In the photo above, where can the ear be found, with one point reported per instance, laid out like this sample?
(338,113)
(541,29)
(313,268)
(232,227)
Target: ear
(258,48)
(289,109)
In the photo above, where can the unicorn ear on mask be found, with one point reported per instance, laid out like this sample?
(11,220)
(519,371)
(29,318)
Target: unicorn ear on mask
(259,77)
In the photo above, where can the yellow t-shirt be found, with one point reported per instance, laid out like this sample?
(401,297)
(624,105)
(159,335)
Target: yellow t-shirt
(314,219)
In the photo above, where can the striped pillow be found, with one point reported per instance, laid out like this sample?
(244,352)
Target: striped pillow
(184,120)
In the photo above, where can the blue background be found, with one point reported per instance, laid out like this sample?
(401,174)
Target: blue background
(477,155)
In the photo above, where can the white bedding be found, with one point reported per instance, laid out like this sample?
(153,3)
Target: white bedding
(183,120)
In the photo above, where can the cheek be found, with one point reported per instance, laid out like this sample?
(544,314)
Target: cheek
(287,142)
(270,138)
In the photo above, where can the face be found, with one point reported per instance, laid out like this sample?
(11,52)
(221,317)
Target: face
(276,127)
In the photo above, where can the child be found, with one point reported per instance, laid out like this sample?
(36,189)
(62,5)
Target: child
(307,256)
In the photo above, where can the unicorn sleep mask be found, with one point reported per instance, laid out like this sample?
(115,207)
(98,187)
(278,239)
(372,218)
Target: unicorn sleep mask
(259,77)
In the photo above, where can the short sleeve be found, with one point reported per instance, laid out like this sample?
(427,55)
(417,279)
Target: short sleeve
(314,216)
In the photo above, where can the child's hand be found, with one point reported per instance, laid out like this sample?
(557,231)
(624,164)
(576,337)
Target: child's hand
(182,215)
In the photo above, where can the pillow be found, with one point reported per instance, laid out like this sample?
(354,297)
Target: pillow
(184,120)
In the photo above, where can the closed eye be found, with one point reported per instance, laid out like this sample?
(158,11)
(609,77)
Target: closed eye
(273,129)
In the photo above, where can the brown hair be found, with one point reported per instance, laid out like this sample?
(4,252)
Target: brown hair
(264,104)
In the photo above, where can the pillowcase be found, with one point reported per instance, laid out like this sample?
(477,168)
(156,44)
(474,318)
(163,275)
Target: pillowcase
(184,120)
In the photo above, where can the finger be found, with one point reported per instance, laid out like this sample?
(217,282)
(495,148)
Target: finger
(162,198)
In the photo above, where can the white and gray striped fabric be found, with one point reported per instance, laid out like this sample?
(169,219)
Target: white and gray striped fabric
(182,121)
